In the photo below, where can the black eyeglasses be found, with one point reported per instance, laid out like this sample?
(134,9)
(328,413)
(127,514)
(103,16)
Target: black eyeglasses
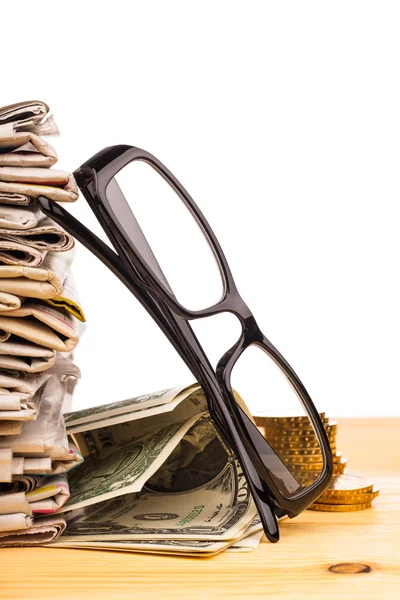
(138,201)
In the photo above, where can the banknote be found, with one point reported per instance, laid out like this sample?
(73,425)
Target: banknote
(249,540)
(247,544)
(120,412)
(123,469)
(156,478)
(202,548)
(196,503)
(218,510)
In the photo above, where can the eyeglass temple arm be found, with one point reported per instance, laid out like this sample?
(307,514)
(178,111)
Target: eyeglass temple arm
(136,233)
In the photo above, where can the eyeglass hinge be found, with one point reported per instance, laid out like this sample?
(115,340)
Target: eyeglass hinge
(83,176)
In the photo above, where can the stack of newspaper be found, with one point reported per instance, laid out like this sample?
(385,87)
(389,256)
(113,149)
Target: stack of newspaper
(39,317)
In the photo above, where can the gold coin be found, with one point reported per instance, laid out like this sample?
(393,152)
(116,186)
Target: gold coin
(299,468)
(277,443)
(299,460)
(339,468)
(264,420)
(303,457)
(350,484)
(337,457)
(300,446)
(285,433)
(339,507)
(285,451)
(299,441)
(296,439)
(330,428)
(293,452)
(301,426)
(353,499)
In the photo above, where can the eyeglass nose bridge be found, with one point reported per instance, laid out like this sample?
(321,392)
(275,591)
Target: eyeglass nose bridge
(251,335)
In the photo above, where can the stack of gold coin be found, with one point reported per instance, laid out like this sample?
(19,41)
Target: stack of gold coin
(346,493)
(294,440)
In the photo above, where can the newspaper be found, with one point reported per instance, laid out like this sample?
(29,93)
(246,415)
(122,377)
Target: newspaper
(31,334)
(44,282)
(69,299)
(25,357)
(19,217)
(31,115)
(51,281)
(57,185)
(41,324)
(9,301)
(47,497)
(10,427)
(47,235)
(24,149)
(38,532)
(46,436)
(24,388)
(42,448)
(14,253)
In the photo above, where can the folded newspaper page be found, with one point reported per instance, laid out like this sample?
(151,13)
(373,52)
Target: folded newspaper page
(50,496)
(31,115)
(24,149)
(19,217)
(41,324)
(51,281)
(69,299)
(24,388)
(47,497)
(46,436)
(47,235)
(24,356)
(9,301)
(56,185)
(43,282)
(40,531)
(10,427)
(14,253)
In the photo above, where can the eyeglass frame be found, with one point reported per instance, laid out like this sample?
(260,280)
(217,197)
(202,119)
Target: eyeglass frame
(129,264)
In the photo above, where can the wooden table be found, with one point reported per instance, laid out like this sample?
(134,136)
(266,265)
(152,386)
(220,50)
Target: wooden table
(324,555)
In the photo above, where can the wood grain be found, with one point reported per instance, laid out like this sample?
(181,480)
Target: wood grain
(320,555)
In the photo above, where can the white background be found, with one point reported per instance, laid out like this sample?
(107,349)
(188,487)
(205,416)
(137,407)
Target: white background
(282,120)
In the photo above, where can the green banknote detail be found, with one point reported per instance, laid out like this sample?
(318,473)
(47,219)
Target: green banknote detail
(116,470)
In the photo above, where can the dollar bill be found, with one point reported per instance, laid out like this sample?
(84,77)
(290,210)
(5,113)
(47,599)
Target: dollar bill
(249,540)
(247,544)
(133,408)
(156,478)
(198,494)
(118,466)
(202,548)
